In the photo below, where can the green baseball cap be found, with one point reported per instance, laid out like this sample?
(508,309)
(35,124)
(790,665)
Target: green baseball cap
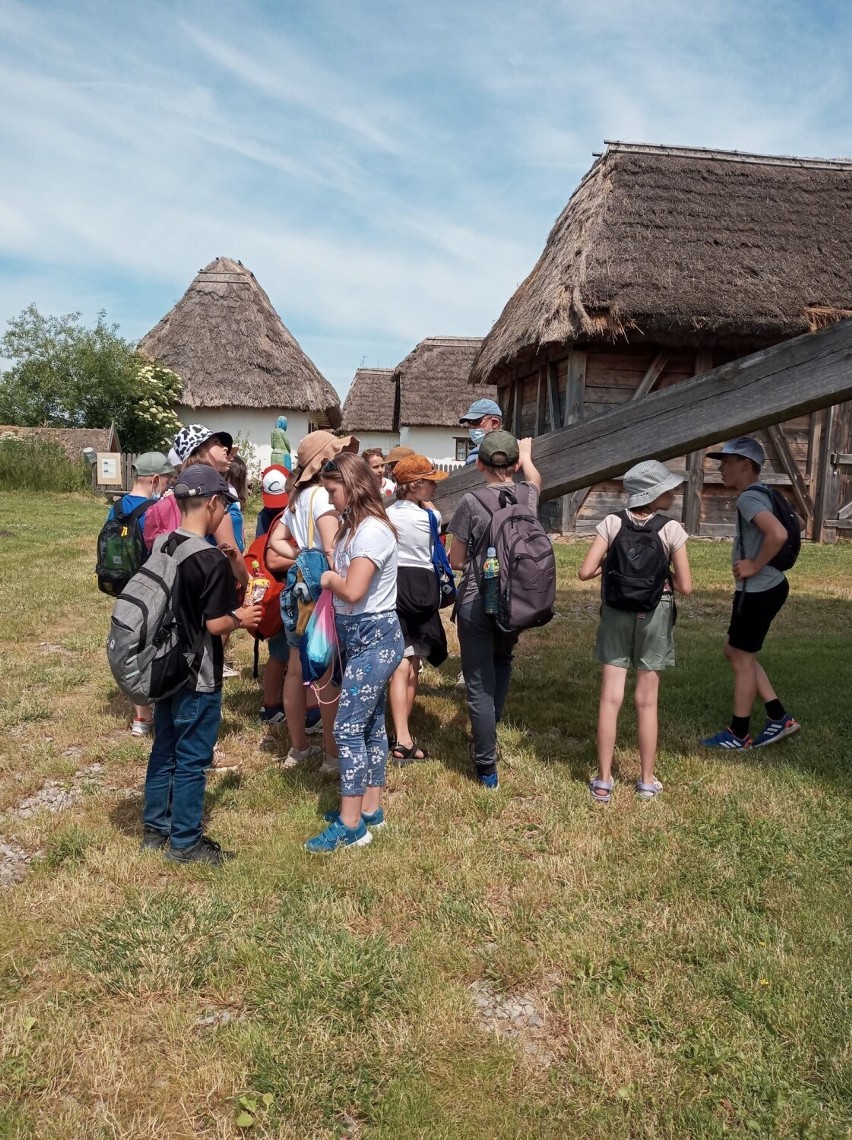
(152,463)
(499,449)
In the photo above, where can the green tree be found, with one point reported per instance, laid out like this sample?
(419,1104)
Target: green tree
(66,375)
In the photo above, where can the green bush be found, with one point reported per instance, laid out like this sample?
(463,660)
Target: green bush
(35,465)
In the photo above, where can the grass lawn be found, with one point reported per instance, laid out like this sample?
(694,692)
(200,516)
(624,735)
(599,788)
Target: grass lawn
(515,964)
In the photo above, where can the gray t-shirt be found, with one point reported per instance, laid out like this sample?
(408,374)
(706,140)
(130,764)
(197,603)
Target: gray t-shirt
(471,525)
(749,539)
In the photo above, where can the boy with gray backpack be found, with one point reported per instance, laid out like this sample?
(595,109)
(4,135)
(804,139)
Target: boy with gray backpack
(501,515)
(165,646)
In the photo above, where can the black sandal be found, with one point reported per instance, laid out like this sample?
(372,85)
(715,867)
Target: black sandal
(403,755)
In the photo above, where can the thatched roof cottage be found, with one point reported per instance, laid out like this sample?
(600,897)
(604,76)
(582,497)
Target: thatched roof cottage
(240,365)
(370,408)
(419,402)
(666,262)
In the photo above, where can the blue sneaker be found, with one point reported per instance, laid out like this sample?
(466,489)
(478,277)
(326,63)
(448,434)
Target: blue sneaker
(337,835)
(776,730)
(488,779)
(726,739)
(373,819)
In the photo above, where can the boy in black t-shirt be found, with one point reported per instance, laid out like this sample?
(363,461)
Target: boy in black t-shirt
(187,723)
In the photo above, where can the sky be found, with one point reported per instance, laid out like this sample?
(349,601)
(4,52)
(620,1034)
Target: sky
(388,171)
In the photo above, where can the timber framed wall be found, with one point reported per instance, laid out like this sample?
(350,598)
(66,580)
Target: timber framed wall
(809,458)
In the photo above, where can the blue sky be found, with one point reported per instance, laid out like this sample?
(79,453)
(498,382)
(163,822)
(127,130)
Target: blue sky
(388,171)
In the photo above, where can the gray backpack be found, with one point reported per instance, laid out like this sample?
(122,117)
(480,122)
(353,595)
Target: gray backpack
(146,650)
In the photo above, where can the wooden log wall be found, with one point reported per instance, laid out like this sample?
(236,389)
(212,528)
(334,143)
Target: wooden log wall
(592,379)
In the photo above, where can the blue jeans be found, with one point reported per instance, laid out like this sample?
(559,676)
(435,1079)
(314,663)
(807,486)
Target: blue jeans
(371,646)
(486,657)
(186,726)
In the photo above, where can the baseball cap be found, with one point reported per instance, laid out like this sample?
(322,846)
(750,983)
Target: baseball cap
(202,482)
(152,463)
(499,449)
(647,481)
(397,453)
(480,408)
(190,438)
(272,485)
(745,447)
(413,467)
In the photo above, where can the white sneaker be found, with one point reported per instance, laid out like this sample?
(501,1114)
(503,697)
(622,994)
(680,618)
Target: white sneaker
(228,670)
(330,767)
(142,728)
(294,757)
(460,681)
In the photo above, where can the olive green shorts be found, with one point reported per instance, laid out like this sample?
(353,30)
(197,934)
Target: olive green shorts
(645,641)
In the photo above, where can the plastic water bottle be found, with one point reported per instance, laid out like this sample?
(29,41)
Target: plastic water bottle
(491,582)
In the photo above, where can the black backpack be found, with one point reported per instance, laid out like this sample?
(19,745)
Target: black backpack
(636,567)
(789,552)
(121,548)
(527,562)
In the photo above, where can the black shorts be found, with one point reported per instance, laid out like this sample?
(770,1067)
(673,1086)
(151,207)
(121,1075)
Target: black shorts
(752,614)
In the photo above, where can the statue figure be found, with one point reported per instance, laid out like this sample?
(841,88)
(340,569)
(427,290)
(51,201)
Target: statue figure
(281,444)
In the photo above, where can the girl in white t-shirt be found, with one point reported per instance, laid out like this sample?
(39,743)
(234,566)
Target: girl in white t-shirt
(309,522)
(642,640)
(363,583)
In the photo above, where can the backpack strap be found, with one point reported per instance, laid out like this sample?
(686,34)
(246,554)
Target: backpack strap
(137,511)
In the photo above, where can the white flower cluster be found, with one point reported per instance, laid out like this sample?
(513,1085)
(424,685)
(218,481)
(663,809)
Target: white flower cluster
(159,388)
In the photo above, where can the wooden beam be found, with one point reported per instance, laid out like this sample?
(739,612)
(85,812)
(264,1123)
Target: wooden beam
(553,396)
(654,372)
(791,470)
(778,383)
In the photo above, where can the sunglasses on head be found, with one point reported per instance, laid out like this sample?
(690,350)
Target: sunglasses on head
(330,467)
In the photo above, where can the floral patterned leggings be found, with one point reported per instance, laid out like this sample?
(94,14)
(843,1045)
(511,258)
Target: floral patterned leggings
(371,646)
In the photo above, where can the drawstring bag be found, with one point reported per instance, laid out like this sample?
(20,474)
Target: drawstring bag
(441,565)
(319,646)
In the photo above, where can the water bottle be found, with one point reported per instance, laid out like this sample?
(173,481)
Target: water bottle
(491,582)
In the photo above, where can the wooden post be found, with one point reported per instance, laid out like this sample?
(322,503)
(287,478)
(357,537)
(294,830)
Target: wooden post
(518,393)
(540,390)
(691,513)
(575,389)
(553,396)
(778,383)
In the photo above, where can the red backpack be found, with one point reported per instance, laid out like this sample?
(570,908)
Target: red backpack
(270,621)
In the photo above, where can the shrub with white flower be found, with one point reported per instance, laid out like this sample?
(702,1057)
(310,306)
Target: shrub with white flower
(159,390)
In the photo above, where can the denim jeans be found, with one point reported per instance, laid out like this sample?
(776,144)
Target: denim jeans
(186,726)
(486,657)
(371,646)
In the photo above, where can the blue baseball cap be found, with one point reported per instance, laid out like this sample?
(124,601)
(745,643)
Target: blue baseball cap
(743,446)
(480,408)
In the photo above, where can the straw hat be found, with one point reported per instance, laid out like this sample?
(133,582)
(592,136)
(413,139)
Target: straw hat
(314,450)
(413,467)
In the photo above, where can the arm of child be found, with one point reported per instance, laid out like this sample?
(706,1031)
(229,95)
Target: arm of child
(355,585)
(681,572)
(227,543)
(281,542)
(245,617)
(594,560)
(277,564)
(528,469)
(774,537)
(327,527)
(458,554)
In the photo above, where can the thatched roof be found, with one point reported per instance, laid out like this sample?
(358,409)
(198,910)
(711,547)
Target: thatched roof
(689,247)
(370,403)
(434,382)
(231,349)
(71,440)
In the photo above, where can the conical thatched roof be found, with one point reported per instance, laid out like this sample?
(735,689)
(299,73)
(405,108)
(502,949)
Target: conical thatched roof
(434,381)
(370,403)
(686,247)
(231,349)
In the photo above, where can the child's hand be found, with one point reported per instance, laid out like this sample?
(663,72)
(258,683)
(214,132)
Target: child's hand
(525,448)
(744,568)
(230,552)
(327,579)
(250,616)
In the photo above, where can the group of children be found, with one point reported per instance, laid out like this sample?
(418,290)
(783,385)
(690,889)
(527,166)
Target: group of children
(376,562)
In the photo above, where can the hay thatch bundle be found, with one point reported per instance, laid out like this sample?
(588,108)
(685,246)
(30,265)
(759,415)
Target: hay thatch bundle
(686,247)
(72,440)
(370,403)
(434,382)
(231,349)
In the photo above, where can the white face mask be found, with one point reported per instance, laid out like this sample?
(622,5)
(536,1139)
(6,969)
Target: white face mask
(477,435)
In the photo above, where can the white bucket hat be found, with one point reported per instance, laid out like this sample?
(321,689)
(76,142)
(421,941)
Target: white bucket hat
(647,481)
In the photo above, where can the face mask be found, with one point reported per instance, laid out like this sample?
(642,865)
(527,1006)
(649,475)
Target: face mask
(477,435)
